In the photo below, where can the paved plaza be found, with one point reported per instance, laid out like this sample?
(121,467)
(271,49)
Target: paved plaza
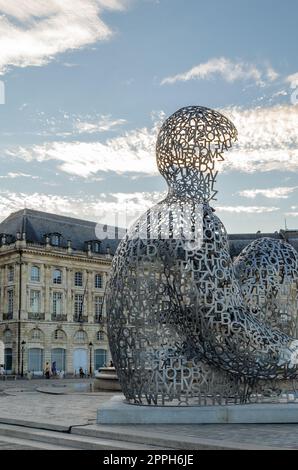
(30,416)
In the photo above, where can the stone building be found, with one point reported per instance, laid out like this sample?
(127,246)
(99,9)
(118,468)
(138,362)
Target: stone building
(238,241)
(53,272)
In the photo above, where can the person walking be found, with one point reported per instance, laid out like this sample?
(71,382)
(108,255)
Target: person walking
(54,369)
(47,371)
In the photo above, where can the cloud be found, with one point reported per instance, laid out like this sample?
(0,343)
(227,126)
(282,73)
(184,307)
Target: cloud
(33,32)
(106,123)
(291,214)
(246,209)
(115,209)
(292,80)
(226,69)
(271,193)
(267,139)
(18,175)
(131,152)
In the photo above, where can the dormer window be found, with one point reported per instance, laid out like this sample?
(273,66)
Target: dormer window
(55,239)
(93,245)
(96,247)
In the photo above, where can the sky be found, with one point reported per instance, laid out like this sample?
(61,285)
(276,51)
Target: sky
(86,84)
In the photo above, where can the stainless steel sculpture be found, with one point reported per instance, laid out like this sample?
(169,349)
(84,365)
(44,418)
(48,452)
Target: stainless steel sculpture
(181,330)
(267,271)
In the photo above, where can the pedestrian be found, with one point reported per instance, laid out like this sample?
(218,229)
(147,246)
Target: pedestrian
(82,375)
(1,369)
(47,370)
(54,369)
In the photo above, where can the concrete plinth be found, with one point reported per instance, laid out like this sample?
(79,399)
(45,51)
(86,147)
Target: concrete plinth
(116,411)
(107,379)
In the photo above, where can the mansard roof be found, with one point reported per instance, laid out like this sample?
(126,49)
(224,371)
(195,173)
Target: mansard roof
(36,224)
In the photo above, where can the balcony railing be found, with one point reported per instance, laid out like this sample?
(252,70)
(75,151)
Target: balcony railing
(80,318)
(100,319)
(7,316)
(58,317)
(36,316)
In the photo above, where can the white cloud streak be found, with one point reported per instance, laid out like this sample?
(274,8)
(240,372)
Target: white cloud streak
(132,152)
(268,141)
(116,208)
(227,69)
(247,209)
(106,123)
(270,193)
(293,80)
(33,32)
(111,208)
(12,175)
(291,214)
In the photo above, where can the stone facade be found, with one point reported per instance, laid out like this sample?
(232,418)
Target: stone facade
(42,317)
(51,307)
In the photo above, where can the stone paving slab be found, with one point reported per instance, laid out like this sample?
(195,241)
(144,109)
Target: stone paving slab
(25,404)
(64,411)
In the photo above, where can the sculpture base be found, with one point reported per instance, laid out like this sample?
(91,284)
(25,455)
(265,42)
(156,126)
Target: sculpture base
(107,380)
(116,411)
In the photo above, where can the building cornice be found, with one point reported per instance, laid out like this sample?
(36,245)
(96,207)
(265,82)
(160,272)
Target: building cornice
(57,254)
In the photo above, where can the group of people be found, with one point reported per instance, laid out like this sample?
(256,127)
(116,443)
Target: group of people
(51,370)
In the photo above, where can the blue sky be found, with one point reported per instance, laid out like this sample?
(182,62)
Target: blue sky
(88,83)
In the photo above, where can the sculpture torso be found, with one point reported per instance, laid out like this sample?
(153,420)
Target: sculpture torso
(179,327)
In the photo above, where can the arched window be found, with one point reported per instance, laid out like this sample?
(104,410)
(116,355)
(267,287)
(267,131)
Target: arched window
(35,274)
(10,274)
(59,335)
(7,336)
(98,281)
(80,336)
(57,276)
(100,335)
(36,334)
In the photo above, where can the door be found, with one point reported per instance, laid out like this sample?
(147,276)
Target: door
(80,359)
(100,358)
(8,360)
(2,347)
(35,361)
(58,356)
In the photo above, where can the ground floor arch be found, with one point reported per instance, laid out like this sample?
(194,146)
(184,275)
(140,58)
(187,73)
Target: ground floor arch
(8,360)
(80,360)
(100,358)
(2,348)
(58,355)
(35,361)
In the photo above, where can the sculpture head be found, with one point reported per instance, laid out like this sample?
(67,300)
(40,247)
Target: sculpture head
(189,144)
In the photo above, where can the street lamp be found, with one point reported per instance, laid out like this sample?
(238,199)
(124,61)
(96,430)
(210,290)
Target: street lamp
(23,349)
(90,365)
